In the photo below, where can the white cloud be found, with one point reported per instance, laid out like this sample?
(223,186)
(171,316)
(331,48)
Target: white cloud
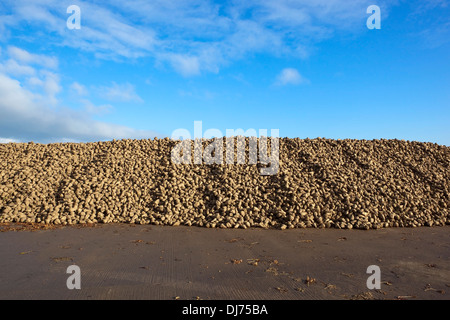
(8,140)
(79,89)
(29,58)
(14,68)
(35,82)
(187,66)
(44,83)
(93,109)
(290,76)
(25,117)
(31,111)
(124,92)
(193,36)
(51,86)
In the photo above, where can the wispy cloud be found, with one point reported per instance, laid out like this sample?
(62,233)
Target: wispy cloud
(290,76)
(30,58)
(24,118)
(12,67)
(436,36)
(199,95)
(31,111)
(432,33)
(79,89)
(185,65)
(91,108)
(192,36)
(124,92)
(8,140)
(36,71)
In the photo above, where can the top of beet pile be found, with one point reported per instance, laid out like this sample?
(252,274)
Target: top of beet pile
(320,183)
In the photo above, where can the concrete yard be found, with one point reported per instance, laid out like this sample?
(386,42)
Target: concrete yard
(121,261)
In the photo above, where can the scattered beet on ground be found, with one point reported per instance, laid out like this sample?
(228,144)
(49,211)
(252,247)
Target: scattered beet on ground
(320,183)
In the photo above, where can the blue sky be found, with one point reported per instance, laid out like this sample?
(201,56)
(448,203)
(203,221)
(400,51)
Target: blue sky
(139,69)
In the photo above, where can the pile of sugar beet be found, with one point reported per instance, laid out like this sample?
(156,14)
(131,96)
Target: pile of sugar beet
(320,183)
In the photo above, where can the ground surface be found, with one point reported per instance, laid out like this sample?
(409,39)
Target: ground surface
(119,261)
